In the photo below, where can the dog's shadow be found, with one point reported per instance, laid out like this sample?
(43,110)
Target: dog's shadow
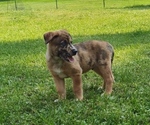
(88,92)
(92,91)
(91,86)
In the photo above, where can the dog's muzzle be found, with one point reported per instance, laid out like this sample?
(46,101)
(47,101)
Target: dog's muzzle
(68,55)
(74,52)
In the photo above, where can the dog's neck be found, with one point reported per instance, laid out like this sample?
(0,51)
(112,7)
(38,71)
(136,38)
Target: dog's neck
(51,57)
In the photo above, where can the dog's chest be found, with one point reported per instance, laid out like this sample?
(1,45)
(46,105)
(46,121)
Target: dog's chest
(58,71)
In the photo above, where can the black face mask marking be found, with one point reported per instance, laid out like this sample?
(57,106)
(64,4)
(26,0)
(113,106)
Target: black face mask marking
(67,51)
(63,44)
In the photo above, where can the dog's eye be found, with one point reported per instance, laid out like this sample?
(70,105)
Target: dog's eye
(63,44)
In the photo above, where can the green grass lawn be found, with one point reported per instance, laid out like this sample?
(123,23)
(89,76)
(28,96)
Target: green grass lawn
(27,91)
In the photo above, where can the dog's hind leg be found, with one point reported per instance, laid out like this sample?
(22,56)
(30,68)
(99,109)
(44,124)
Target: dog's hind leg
(106,73)
(60,87)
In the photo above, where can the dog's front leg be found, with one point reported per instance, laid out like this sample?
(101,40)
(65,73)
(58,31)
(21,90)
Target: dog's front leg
(77,86)
(60,87)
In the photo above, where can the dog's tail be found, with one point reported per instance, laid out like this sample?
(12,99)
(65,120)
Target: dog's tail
(111,50)
(112,57)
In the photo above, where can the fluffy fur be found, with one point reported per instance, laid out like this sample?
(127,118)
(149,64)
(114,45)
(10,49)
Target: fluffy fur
(67,60)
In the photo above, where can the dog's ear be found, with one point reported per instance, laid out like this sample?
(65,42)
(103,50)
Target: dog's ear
(70,38)
(49,36)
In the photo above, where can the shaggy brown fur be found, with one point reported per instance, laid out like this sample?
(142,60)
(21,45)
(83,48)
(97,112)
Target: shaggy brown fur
(67,60)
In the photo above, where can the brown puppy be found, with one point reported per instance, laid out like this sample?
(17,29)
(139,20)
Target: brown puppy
(67,60)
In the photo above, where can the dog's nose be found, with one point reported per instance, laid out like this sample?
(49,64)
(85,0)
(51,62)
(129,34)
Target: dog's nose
(74,51)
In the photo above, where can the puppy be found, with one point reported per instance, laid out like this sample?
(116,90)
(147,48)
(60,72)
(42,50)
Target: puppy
(67,60)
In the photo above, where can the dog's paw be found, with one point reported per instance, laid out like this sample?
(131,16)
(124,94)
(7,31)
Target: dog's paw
(79,99)
(103,94)
(100,88)
(106,94)
(56,100)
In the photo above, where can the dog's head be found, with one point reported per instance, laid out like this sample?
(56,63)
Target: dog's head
(60,44)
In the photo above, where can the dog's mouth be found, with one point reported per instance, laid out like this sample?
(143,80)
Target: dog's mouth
(70,59)
(66,56)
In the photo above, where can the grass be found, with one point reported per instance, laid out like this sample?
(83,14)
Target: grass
(27,91)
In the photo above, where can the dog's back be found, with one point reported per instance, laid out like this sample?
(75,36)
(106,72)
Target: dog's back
(94,53)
